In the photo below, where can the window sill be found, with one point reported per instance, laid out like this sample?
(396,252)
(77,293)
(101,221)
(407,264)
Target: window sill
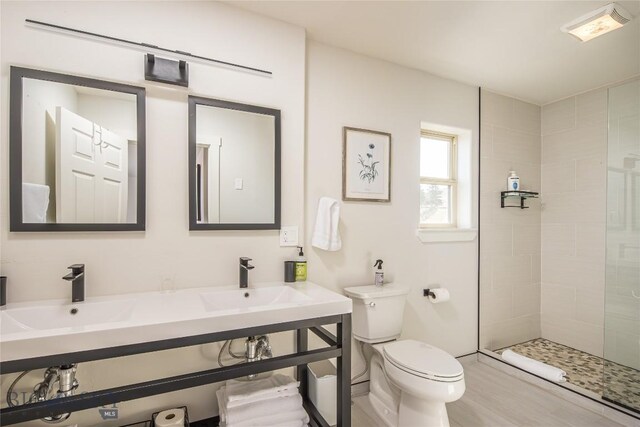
(428,235)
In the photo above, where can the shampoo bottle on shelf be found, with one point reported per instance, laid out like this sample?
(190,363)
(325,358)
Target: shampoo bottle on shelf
(513,181)
(301,266)
(379,273)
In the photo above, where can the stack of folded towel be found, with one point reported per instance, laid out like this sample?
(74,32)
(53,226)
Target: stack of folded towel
(273,401)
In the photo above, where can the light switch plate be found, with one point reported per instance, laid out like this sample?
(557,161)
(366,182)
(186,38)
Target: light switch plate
(238,183)
(289,236)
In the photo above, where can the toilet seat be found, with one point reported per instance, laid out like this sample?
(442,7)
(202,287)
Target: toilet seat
(423,360)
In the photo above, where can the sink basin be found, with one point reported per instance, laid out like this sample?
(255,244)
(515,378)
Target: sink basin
(77,315)
(253,299)
(42,328)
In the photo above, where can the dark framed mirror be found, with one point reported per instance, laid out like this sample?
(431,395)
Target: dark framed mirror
(234,166)
(77,153)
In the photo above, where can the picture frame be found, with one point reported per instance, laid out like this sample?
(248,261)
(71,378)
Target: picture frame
(366,165)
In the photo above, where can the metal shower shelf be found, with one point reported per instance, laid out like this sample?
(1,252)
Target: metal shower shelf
(523,195)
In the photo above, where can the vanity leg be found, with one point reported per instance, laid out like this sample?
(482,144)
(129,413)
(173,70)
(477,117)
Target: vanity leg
(302,344)
(344,372)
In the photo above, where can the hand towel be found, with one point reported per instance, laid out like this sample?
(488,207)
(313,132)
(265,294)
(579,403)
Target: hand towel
(326,234)
(278,406)
(35,202)
(242,390)
(534,366)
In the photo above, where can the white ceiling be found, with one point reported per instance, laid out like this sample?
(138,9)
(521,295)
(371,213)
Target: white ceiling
(512,47)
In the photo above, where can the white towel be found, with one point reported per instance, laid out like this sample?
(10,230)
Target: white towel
(534,366)
(35,202)
(326,234)
(222,407)
(283,406)
(296,418)
(244,390)
(259,397)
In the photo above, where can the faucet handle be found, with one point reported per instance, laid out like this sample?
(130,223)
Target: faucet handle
(76,268)
(244,259)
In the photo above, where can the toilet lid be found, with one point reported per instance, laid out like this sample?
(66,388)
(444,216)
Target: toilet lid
(422,359)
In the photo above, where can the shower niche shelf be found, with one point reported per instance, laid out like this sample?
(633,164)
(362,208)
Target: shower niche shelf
(522,195)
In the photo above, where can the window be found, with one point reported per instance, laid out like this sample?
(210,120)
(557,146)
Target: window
(438,179)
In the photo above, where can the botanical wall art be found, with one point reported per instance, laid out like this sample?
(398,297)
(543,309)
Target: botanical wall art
(366,165)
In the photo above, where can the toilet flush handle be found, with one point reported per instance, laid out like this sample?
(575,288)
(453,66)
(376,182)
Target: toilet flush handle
(372,304)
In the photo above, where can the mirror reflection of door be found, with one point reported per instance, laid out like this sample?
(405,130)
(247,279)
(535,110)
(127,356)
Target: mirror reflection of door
(208,155)
(235,157)
(79,163)
(91,171)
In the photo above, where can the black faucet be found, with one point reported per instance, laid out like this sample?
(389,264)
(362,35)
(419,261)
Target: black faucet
(76,277)
(244,271)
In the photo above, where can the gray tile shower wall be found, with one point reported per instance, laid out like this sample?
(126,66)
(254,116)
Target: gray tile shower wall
(510,237)
(573,196)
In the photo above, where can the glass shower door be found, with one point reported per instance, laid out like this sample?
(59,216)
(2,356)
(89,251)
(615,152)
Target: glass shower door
(622,294)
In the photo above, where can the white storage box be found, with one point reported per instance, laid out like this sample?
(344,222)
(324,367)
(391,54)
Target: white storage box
(323,392)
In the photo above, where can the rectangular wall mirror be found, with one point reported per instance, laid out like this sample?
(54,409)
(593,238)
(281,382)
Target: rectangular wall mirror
(234,166)
(77,153)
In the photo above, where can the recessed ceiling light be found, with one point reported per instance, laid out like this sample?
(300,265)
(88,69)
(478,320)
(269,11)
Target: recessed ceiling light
(599,22)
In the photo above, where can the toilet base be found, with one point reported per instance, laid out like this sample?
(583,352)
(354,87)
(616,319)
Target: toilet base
(396,408)
(414,412)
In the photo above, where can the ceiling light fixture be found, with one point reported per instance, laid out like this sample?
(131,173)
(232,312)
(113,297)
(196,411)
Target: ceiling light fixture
(598,22)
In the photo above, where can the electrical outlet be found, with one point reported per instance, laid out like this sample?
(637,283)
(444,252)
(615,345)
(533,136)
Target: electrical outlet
(289,236)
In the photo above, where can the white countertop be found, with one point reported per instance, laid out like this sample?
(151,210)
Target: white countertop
(43,328)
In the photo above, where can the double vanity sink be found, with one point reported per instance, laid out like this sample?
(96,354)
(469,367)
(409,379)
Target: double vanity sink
(36,329)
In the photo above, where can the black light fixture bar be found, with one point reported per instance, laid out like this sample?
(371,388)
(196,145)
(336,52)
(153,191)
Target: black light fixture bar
(145,46)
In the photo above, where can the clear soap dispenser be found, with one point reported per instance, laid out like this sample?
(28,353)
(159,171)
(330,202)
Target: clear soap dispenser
(379,273)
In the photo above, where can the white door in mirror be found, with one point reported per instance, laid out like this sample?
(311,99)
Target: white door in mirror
(91,171)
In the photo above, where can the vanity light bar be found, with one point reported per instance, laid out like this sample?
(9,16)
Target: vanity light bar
(141,46)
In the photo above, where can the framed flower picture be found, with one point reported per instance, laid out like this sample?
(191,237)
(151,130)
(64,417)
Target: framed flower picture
(366,165)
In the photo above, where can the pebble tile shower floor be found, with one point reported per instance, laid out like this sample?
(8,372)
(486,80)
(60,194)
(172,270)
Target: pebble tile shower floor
(586,370)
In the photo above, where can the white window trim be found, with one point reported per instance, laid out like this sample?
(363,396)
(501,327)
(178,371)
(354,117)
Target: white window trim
(452,181)
(465,231)
(443,235)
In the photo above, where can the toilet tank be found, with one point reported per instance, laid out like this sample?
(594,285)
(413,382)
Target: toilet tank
(377,311)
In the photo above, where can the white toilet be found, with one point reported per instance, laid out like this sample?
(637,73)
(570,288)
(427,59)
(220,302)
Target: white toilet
(410,381)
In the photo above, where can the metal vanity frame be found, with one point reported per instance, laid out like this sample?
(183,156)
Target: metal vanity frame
(338,346)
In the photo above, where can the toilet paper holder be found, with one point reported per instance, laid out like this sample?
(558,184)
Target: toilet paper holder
(428,293)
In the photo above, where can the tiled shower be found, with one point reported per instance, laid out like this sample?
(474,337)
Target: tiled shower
(560,280)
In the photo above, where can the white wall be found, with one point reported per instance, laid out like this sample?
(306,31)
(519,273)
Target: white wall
(167,252)
(346,89)
(573,194)
(510,237)
(40,100)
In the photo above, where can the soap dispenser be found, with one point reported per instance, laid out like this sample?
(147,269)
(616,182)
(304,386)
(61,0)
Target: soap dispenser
(379,273)
(513,181)
(301,266)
